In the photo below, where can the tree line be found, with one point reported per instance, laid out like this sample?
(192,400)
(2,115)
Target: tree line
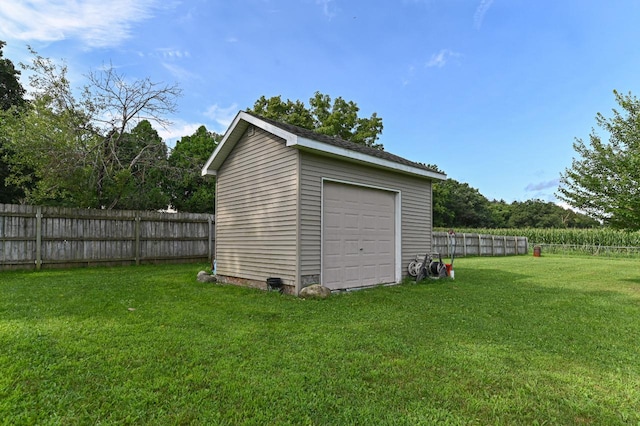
(458,205)
(99,149)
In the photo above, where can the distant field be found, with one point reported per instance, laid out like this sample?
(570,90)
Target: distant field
(513,340)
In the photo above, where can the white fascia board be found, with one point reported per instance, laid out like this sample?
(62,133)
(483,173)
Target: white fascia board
(220,148)
(230,139)
(364,158)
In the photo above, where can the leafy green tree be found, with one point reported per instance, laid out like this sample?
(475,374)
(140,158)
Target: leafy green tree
(541,214)
(97,151)
(291,112)
(11,101)
(604,181)
(338,118)
(572,219)
(137,183)
(459,205)
(500,213)
(47,161)
(11,91)
(535,214)
(190,191)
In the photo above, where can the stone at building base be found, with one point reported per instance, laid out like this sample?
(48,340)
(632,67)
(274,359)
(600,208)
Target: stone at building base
(315,291)
(205,277)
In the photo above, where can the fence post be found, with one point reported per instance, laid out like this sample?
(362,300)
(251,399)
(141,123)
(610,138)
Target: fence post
(137,243)
(464,244)
(210,251)
(38,238)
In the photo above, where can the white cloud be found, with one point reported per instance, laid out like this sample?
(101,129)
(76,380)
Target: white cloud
(171,134)
(327,10)
(537,186)
(222,116)
(180,73)
(441,58)
(411,72)
(481,10)
(173,53)
(97,23)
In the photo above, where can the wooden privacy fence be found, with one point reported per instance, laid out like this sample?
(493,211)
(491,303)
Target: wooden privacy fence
(479,245)
(36,237)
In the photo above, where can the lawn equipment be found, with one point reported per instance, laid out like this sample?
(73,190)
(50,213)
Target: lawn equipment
(429,267)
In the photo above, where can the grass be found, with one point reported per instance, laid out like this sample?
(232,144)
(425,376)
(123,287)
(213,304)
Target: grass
(516,340)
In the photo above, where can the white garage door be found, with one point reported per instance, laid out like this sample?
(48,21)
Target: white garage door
(358,236)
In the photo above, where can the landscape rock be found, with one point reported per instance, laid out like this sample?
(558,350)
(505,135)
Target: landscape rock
(205,277)
(315,291)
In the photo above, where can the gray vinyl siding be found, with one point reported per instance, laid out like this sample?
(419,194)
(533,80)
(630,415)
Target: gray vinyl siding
(256,209)
(415,206)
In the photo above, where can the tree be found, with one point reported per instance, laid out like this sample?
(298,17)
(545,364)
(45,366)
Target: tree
(95,151)
(500,213)
(11,101)
(11,91)
(47,160)
(137,183)
(190,191)
(459,205)
(535,214)
(339,118)
(605,181)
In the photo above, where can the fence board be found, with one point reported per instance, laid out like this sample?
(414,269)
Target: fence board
(479,245)
(34,237)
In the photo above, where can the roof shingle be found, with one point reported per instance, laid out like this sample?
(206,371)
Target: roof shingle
(341,143)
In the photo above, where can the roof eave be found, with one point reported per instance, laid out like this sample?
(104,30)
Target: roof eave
(358,157)
(233,134)
(242,120)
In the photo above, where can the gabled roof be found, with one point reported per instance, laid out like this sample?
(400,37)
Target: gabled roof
(309,140)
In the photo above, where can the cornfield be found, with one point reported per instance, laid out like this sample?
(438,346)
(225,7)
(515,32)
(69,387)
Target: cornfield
(597,241)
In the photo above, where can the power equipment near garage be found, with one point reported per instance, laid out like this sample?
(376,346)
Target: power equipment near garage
(431,265)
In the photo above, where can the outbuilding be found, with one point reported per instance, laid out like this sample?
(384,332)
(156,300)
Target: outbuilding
(311,209)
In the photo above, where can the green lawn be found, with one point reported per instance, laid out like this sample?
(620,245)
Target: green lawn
(517,340)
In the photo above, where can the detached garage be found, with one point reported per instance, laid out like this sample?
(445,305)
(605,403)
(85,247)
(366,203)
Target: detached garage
(313,209)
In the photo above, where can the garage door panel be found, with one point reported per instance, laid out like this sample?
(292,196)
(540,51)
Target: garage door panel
(369,222)
(387,272)
(333,274)
(351,221)
(370,247)
(369,272)
(358,236)
(351,247)
(332,247)
(332,220)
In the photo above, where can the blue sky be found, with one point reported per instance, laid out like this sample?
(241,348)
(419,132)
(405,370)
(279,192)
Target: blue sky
(492,91)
